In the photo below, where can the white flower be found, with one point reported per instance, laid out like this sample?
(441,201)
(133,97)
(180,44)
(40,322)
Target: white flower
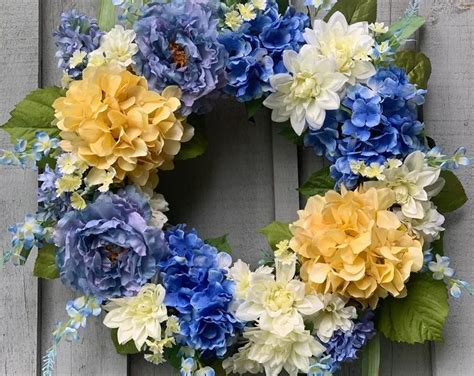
(240,362)
(139,317)
(374,170)
(67,163)
(428,227)
(358,167)
(259,4)
(96,58)
(393,163)
(77,58)
(240,273)
(440,268)
(309,88)
(378,27)
(233,20)
(117,46)
(247,11)
(349,45)
(291,353)
(334,316)
(278,303)
(158,206)
(413,183)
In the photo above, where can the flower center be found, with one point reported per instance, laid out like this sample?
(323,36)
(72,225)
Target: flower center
(113,252)
(178,54)
(306,86)
(279,299)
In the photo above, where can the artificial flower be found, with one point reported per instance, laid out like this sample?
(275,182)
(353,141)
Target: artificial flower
(104,178)
(108,250)
(378,27)
(197,287)
(121,124)
(351,244)
(260,4)
(440,267)
(247,11)
(320,4)
(291,353)
(116,46)
(178,45)
(241,363)
(241,274)
(233,20)
(335,315)
(138,317)
(304,94)
(278,303)
(349,46)
(77,34)
(413,184)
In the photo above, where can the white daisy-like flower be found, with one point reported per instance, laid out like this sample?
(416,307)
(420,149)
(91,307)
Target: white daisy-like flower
(247,11)
(77,58)
(117,46)
(233,20)
(307,91)
(350,46)
(138,317)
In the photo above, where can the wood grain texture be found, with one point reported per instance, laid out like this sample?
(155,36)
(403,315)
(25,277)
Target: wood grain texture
(19,23)
(94,353)
(448,40)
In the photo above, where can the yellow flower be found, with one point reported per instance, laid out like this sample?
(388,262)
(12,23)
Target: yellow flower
(104,178)
(68,183)
(77,202)
(351,244)
(111,119)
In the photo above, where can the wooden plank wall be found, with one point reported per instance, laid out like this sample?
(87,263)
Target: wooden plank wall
(247,179)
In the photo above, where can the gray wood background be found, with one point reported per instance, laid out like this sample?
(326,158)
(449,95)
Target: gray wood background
(247,179)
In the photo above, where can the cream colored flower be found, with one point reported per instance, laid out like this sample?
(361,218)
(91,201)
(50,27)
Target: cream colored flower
(307,91)
(78,202)
(350,46)
(241,363)
(77,58)
(351,244)
(277,303)
(233,20)
(378,27)
(68,184)
(104,178)
(139,317)
(111,119)
(247,11)
(117,46)
(241,274)
(334,316)
(260,4)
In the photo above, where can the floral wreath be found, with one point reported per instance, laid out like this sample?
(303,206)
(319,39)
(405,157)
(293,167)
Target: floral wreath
(365,255)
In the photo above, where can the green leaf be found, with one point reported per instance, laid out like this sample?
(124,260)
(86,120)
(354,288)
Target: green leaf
(371,357)
(34,114)
(194,148)
(355,10)
(221,243)
(128,349)
(45,264)
(287,131)
(318,183)
(452,196)
(418,317)
(276,232)
(173,357)
(106,15)
(417,66)
(404,28)
(283,5)
(253,107)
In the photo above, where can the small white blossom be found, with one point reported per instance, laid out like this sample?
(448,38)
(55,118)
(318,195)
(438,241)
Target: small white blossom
(77,58)
(259,4)
(378,27)
(247,11)
(440,268)
(233,20)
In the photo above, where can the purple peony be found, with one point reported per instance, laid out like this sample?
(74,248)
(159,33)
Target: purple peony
(108,250)
(178,45)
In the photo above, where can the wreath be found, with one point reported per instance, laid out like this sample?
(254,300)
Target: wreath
(365,255)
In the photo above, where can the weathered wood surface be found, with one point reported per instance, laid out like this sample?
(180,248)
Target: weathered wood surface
(247,179)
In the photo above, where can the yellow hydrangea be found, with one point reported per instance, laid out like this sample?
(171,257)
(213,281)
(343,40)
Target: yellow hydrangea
(351,244)
(111,119)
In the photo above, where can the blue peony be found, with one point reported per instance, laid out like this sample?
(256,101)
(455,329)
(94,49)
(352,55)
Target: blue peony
(379,121)
(344,346)
(178,45)
(196,286)
(256,49)
(107,250)
(76,32)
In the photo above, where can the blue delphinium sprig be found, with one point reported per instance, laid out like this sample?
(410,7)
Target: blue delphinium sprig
(78,311)
(191,367)
(436,158)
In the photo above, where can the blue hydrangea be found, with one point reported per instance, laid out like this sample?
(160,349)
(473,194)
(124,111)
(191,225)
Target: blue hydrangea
(76,32)
(344,346)
(197,287)
(255,50)
(379,121)
(178,45)
(108,250)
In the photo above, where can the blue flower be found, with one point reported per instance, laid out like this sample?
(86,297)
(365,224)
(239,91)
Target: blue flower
(255,50)
(197,287)
(76,32)
(323,141)
(44,145)
(50,205)
(107,250)
(343,346)
(178,45)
